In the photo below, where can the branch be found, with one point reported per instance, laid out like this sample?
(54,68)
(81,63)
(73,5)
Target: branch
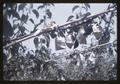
(26,35)
(62,27)
(90,48)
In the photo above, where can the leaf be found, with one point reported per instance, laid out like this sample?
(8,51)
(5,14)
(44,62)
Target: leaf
(36,41)
(87,5)
(34,30)
(77,16)
(104,18)
(14,13)
(14,26)
(75,7)
(70,17)
(44,17)
(22,29)
(85,8)
(35,12)
(23,17)
(48,40)
(14,49)
(26,18)
(15,20)
(21,6)
(7,28)
(52,34)
(41,21)
(41,6)
(112,31)
(76,44)
(52,4)
(61,33)
(32,21)
(112,21)
(108,7)
(8,13)
(73,37)
(31,6)
(47,4)
(11,5)
(88,30)
(48,12)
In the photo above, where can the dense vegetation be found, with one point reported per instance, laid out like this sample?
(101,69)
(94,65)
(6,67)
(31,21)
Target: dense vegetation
(99,63)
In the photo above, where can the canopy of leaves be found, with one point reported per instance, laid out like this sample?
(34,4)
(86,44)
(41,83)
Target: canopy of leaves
(99,63)
(36,68)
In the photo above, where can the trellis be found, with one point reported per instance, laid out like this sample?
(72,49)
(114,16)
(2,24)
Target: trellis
(61,27)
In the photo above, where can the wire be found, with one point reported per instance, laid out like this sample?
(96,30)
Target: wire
(90,48)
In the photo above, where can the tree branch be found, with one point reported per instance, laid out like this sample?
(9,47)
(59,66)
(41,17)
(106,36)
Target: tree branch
(62,27)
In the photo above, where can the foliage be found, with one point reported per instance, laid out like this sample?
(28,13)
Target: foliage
(42,66)
(99,63)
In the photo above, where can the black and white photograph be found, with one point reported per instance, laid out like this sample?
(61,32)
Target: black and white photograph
(59,41)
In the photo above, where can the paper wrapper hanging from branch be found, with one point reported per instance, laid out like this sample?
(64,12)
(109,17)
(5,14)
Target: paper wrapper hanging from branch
(60,43)
(97,35)
(80,37)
